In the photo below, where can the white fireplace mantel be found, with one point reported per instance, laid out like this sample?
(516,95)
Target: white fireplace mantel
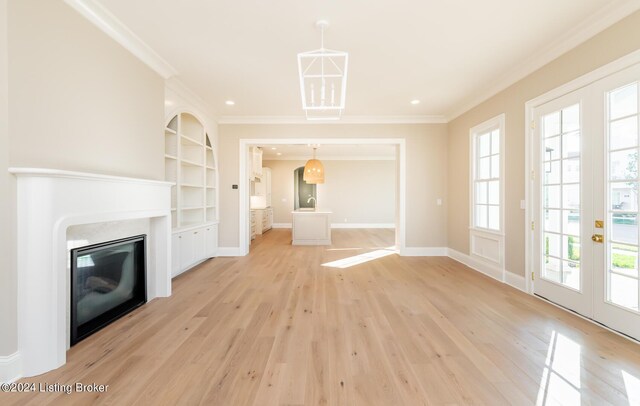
(48,202)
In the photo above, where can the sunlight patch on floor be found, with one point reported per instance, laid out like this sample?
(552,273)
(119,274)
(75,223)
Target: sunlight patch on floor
(361,259)
(560,383)
(632,384)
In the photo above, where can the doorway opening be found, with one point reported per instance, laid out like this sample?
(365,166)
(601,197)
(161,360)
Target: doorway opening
(365,184)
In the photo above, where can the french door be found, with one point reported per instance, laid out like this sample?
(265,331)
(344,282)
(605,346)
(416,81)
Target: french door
(586,219)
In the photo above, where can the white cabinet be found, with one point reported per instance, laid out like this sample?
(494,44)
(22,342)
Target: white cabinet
(262,219)
(256,162)
(192,246)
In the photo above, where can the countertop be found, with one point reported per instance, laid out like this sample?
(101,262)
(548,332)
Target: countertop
(317,211)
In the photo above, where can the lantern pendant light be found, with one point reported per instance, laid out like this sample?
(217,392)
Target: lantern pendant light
(313,170)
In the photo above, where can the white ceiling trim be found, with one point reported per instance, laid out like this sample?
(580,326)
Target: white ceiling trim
(331,158)
(344,120)
(176,85)
(598,22)
(114,28)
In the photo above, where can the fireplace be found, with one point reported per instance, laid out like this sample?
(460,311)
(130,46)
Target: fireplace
(107,282)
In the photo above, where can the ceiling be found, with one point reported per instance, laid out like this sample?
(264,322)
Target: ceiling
(448,54)
(329,152)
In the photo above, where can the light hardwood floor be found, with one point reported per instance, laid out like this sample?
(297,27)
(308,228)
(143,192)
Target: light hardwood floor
(279,328)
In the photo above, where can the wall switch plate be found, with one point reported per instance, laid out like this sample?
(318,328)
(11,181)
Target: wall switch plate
(439,202)
(523,204)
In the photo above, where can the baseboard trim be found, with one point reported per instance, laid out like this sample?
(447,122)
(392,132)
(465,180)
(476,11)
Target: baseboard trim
(229,252)
(281,225)
(424,252)
(492,271)
(363,225)
(517,281)
(10,367)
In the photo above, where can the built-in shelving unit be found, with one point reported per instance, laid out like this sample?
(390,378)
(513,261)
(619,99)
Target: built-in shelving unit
(190,163)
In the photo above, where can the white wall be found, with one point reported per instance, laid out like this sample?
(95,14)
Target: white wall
(77,101)
(361,192)
(426,163)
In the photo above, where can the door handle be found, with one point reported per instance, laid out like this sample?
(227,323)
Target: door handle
(597,238)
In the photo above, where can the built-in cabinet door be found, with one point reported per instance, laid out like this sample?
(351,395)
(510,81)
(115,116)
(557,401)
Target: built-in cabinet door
(199,249)
(211,241)
(175,254)
(186,249)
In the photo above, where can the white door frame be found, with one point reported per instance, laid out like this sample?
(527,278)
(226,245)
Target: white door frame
(530,192)
(244,231)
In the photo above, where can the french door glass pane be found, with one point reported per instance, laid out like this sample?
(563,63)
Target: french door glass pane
(624,133)
(622,247)
(561,196)
(624,101)
(494,218)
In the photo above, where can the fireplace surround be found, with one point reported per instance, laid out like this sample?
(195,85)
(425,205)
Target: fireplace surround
(49,202)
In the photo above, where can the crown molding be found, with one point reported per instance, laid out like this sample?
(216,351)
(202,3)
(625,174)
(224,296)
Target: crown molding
(177,86)
(331,158)
(433,119)
(102,18)
(598,22)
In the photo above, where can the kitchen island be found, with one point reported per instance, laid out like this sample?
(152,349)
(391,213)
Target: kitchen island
(311,227)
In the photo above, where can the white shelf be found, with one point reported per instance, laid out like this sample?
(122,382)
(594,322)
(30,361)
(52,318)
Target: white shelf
(190,164)
(186,141)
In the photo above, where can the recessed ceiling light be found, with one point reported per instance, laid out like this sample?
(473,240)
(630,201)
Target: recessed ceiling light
(415,101)
(279,153)
(274,148)
(230,103)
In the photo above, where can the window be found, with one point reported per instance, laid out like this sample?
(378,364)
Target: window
(486,163)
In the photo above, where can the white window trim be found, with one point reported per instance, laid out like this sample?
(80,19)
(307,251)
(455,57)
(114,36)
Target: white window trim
(482,239)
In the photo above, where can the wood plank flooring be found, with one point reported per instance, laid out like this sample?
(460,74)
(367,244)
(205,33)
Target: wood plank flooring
(278,328)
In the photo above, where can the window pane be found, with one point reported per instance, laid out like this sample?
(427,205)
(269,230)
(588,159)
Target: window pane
(552,220)
(495,142)
(624,196)
(624,164)
(485,144)
(481,192)
(571,145)
(552,244)
(552,197)
(552,269)
(571,118)
(481,216)
(624,101)
(571,171)
(624,291)
(571,196)
(494,192)
(624,133)
(552,148)
(571,248)
(571,222)
(552,172)
(494,217)
(483,170)
(551,124)
(624,259)
(624,228)
(571,274)
(495,166)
